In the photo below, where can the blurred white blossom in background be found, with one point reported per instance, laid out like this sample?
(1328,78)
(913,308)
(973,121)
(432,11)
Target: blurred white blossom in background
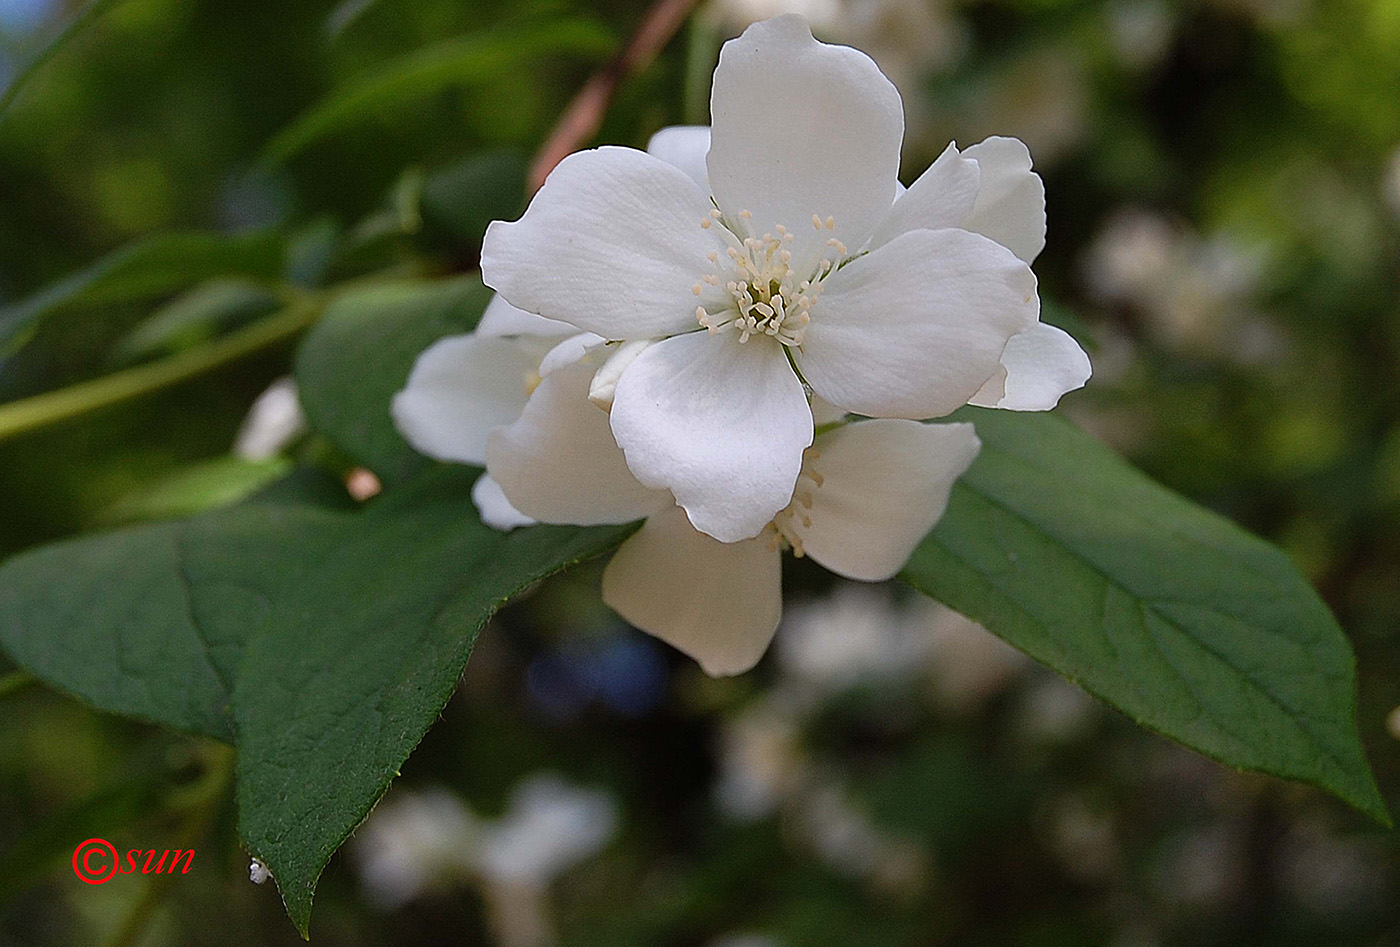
(428,841)
(1191,294)
(273,423)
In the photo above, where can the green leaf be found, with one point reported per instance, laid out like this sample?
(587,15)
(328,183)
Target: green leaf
(151,267)
(360,353)
(326,640)
(108,619)
(359,654)
(459,61)
(1171,613)
(114,620)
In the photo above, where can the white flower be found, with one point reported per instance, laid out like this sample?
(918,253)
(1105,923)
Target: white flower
(868,492)
(808,268)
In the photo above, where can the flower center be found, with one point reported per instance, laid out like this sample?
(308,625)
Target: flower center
(769,296)
(785,529)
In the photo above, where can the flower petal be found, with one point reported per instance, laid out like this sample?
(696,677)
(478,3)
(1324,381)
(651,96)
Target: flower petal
(559,464)
(460,388)
(719,423)
(495,509)
(685,147)
(1040,365)
(915,328)
(885,484)
(717,602)
(803,128)
(1010,204)
(943,196)
(501,318)
(611,244)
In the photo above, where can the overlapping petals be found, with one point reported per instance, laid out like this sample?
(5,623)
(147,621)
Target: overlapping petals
(461,388)
(559,464)
(720,424)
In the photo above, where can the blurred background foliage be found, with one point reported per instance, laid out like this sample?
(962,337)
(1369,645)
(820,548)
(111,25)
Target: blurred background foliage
(1223,180)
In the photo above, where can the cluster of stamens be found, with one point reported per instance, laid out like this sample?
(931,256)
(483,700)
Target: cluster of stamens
(770,297)
(784,529)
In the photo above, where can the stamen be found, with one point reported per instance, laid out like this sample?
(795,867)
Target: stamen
(794,517)
(769,298)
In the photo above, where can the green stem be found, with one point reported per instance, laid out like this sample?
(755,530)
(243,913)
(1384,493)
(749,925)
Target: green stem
(14,682)
(82,21)
(27,414)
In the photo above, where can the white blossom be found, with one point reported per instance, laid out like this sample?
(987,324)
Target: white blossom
(806,265)
(868,492)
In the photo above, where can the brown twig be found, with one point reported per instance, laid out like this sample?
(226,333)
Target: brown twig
(584,116)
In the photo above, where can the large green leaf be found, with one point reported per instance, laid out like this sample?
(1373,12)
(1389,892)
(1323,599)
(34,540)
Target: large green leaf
(114,619)
(151,267)
(107,619)
(323,641)
(459,61)
(360,353)
(360,652)
(1169,612)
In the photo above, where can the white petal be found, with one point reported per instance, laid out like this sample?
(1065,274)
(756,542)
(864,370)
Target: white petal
(720,424)
(717,602)
(495,509)
(1010,204)
(943,196)
(803,128)
(569,351)
(460,388)
(915,328)
(684,146)
(501,318)
(885,484)
(1041,364)
(611,244)
(559,464)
